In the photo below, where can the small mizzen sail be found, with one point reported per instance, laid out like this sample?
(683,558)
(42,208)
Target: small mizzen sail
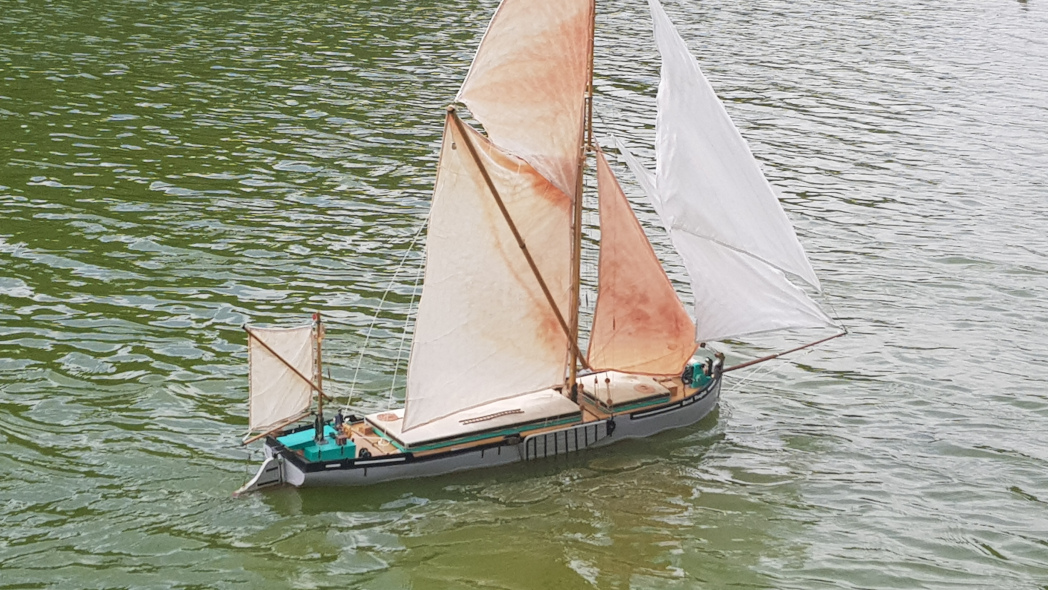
(485,330)
(722,215)
(277,393)
(639,325)
(528,82)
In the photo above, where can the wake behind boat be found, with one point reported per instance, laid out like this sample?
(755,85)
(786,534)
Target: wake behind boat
(497,373)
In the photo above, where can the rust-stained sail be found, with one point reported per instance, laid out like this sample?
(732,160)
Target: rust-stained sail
(639,325)
(527,84)
(485,331)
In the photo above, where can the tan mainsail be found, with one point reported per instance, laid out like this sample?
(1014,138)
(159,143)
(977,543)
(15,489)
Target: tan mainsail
(485,331)
(528,82)
(639,325)
(277,393)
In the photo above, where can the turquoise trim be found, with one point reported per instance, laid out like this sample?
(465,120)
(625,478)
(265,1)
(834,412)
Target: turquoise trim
(317,453)
(302,439)
(330,451)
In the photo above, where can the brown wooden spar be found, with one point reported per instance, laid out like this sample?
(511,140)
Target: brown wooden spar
(316,387)
(777,355)
(576,238)
(280,425)
(589,88)
(513,228)
(319,333)
(576,274)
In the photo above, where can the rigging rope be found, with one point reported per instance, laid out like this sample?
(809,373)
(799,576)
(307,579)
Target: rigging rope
(765,368)
(404,335)
(389,287)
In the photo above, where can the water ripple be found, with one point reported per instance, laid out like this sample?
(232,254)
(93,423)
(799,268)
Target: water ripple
(169,172)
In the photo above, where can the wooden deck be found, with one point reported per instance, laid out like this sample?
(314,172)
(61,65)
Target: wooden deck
(365,436)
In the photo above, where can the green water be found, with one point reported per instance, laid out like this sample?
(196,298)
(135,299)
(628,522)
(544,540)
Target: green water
(172,170)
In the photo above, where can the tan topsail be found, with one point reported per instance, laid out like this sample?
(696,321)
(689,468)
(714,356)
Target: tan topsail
(639,325)
(485,331)
(528,82)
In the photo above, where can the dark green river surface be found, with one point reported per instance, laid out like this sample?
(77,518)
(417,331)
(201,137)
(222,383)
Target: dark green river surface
(172,170)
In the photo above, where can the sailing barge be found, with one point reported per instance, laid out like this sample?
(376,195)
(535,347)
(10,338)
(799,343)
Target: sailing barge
(497,374)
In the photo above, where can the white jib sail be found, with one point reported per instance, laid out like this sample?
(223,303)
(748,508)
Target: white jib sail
(527,83)
(277,394)
(485,331)
(709,183)
(735,294)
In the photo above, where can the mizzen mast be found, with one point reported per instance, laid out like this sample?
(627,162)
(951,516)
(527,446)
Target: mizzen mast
(318,333)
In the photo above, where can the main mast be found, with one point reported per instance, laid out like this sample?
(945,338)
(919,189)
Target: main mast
(531,112)
(585,146)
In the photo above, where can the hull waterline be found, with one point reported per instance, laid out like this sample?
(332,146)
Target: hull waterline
(284,467)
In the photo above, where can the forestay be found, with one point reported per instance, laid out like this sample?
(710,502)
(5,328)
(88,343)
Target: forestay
(277,393)
(639,324)
(528,81)
(485,331)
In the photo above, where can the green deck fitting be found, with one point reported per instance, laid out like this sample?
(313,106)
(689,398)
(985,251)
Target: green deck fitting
(330,450)
(303,438)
